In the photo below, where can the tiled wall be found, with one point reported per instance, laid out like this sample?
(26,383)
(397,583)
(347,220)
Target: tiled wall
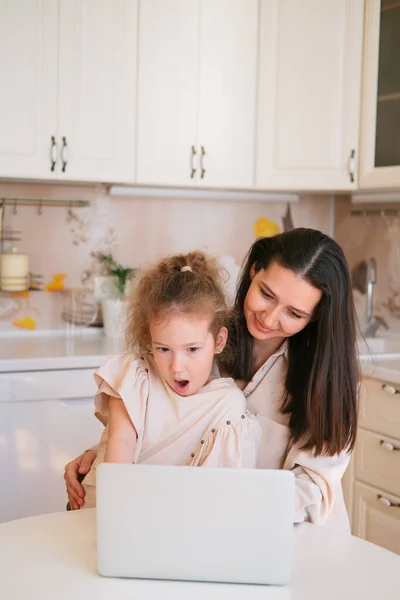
(141,230)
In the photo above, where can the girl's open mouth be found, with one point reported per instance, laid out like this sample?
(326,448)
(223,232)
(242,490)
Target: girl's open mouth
(181,384)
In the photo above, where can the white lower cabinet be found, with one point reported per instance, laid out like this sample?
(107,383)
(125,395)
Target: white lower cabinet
(372,482)
(46,419)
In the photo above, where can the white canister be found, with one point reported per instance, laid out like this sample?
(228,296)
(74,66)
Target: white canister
(14,271)
(113,310)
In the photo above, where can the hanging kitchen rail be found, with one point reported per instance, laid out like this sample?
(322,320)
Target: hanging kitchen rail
(43,203)
(375,212)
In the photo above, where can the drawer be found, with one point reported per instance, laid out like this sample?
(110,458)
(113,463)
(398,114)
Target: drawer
(380,407)
(377,461)
(376,517)
(45,385)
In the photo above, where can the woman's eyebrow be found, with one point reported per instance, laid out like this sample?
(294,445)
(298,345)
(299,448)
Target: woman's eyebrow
(272,293)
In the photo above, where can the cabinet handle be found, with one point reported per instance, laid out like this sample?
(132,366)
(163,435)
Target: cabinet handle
(192,167)
(53,153)
(386,502)
(64,154)
(202,155)
(352,165)
(390,389)
(389,446)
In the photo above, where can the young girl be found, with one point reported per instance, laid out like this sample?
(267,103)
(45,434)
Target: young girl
(159,400)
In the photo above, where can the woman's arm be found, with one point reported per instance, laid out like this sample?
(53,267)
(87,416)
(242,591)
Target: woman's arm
(122,434)
(318,486)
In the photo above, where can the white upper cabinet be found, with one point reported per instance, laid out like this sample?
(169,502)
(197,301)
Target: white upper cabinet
(68,77)
(227,92)
(97,89)
(213,93)
(197,92)
(28,76)
(309,94)
(380,117)
(167,91)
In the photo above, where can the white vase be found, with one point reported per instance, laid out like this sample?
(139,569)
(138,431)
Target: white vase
(104,286)
(113,317)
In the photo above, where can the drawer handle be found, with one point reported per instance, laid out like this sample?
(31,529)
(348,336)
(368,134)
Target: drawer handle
(386,502)
(390,389)
(389,446)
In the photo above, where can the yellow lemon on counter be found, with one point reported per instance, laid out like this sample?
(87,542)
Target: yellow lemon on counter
(25,323)
(265,227)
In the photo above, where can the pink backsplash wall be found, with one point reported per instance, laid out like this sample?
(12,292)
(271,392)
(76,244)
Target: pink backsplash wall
(141,230)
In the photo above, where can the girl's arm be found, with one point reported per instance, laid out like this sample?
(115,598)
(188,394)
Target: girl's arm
(122,434)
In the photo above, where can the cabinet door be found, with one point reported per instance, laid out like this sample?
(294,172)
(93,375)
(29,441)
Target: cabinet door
(380,119)
(377,517)
(97,89)
(378,461)
(46,419)
(167,92)
(40,437)
(380,407)
(309,94)
(28,76)
(227,91)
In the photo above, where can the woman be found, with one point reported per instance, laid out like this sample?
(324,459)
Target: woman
(296,361)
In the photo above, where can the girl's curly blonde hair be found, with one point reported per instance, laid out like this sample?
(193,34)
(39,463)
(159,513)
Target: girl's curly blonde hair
(165,288)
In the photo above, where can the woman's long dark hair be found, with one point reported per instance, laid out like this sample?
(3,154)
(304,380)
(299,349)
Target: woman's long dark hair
(322,379)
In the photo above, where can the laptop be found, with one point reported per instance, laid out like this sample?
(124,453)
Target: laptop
(195,524)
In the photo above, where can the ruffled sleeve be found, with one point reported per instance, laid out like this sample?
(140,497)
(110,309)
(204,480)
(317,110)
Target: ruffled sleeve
(125,377)
(231,444)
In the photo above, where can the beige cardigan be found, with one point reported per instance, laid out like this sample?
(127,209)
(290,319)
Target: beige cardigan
(319,496)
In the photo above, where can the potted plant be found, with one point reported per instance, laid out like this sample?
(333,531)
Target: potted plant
(113,304)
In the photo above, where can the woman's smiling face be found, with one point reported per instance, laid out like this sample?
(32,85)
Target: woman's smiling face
(278,303)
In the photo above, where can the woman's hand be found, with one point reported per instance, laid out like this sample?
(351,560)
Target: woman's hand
(79,466)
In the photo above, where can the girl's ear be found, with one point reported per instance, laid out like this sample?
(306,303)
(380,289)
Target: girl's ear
(252,272)
(221,340)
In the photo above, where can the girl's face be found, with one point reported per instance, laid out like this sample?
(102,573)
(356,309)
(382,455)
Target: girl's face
(278,303)
(184,349)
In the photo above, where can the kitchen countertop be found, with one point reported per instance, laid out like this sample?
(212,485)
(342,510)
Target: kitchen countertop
(383,368)
(44,352)
(380,358)
(90,348)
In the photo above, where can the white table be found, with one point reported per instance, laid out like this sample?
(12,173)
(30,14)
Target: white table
(53,557)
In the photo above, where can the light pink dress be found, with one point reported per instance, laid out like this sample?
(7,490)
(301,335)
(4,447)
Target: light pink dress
(209,428)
